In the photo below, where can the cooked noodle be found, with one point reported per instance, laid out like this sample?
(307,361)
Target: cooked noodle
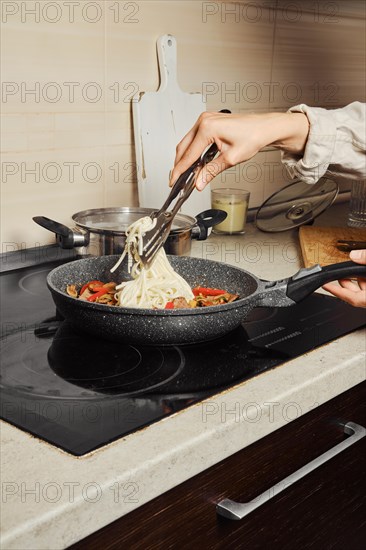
(152,287)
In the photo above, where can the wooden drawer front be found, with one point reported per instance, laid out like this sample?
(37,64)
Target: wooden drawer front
(326,509)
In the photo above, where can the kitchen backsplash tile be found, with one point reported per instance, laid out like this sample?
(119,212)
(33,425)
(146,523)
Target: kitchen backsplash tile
(321,12)
(51,67)
(40,122)
(326,70)
(13,141)
(70,70)
(51,183)
(41,140)
(11,123)
(118,128)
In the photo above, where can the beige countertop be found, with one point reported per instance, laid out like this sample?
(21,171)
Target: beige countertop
(51,499)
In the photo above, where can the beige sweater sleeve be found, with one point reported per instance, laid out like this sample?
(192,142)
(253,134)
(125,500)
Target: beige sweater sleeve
(336,145)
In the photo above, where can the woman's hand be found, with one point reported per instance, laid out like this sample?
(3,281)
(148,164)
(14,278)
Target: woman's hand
(352,292)
(238,138)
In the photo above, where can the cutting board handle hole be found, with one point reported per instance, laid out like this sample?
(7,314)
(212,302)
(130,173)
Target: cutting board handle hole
(170,43)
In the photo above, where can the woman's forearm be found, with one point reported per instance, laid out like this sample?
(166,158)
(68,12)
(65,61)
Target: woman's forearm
(290,132)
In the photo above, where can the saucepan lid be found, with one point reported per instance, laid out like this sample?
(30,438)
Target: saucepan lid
(296,204)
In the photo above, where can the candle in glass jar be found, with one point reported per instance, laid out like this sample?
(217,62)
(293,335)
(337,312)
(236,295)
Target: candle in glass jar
(235,203)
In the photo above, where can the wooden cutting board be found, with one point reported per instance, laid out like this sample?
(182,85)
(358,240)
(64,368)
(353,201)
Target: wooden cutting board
(160,120)
(318,244)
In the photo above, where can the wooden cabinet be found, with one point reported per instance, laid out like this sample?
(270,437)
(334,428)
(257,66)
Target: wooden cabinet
(324,510)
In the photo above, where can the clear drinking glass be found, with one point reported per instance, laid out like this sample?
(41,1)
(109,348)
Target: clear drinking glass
(357,207)
(235,203)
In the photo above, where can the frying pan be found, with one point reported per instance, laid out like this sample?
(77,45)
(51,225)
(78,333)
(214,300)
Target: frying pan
(182,326)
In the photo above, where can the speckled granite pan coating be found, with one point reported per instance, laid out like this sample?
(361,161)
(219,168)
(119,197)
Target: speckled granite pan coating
(148,326)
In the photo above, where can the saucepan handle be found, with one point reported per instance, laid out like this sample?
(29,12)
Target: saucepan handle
(307,280)
(205,220)
(52,225)
(66,237)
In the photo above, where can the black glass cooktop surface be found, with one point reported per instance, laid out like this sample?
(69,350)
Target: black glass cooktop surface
(80,392)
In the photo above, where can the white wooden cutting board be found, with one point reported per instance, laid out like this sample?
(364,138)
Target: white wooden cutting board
(160,121)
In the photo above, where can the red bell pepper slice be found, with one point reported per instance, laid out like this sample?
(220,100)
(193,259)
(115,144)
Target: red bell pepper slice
(205,291)
(101,292)
(169,305)
(90,283)
(108,286)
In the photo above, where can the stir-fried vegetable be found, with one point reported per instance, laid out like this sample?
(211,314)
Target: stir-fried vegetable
(104,293)
(205,291)
(205,296)
(94,291)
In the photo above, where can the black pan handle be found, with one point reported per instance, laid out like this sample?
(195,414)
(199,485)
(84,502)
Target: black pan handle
(205,220)
(65,236)
(307,280)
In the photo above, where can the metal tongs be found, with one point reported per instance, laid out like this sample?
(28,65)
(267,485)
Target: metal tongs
(155,238)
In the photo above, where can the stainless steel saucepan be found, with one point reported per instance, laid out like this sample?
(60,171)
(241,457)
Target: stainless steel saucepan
(101,231)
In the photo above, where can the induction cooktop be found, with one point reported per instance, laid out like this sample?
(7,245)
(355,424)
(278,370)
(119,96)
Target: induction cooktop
(80,392)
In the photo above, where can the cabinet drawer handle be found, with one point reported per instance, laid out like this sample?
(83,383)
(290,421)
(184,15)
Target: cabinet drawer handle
(238,510)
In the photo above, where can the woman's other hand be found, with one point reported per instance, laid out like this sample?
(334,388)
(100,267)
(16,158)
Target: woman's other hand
(351,291)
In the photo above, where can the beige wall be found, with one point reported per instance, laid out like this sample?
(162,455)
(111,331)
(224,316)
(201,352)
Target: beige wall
(69,70)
